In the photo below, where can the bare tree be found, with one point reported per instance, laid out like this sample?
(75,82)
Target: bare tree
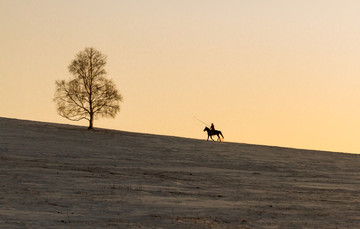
(89,94)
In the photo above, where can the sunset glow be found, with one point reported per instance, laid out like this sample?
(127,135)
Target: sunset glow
(284,73)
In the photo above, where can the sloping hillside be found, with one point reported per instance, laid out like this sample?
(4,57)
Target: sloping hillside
(60,176)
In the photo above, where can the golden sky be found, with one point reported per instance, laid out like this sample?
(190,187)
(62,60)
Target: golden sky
(270,72)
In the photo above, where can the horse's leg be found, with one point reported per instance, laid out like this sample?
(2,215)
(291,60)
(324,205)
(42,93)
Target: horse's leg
(211,137)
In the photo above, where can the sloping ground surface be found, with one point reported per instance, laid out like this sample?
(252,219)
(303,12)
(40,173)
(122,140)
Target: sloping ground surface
(60,176)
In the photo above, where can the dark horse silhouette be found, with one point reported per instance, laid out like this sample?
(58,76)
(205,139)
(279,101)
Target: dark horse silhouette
(213,132)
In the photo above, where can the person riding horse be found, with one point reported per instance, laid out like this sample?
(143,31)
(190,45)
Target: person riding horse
(211,131)
(212,128)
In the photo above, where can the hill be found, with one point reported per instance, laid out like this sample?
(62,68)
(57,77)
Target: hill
(60,176)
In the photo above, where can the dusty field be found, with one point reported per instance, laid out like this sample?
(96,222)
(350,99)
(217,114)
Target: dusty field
(60,176)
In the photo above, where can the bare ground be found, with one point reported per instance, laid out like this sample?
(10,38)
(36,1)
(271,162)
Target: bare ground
(61,176)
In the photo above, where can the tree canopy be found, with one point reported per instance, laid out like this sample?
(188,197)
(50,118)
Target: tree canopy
(89,94)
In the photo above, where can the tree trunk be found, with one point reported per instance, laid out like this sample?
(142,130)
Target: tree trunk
(91,122)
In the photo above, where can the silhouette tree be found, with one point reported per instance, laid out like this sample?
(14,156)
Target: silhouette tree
(89,94)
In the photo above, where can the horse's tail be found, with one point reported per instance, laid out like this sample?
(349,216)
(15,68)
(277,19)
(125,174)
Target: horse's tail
(221,135)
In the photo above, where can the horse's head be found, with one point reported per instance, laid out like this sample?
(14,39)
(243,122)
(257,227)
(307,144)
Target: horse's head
(206,128)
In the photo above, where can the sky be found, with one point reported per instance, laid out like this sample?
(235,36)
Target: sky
(269,72)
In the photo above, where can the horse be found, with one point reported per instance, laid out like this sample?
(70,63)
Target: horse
(213,132)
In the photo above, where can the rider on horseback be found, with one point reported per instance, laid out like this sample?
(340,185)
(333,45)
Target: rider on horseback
(212,128)
(211,131)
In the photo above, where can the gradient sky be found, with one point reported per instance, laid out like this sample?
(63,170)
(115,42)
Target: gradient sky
(270,72)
